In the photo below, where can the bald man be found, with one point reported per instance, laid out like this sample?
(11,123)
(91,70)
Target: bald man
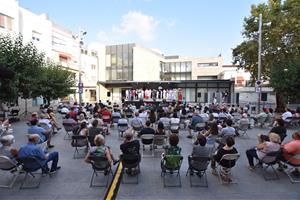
(32,150)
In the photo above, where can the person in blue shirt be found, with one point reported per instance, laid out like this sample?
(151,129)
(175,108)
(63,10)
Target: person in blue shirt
(32,150)
(195,120)
(43,134)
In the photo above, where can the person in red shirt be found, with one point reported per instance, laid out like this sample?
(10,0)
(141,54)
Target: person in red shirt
(289,150)
(73,114)
(106,115)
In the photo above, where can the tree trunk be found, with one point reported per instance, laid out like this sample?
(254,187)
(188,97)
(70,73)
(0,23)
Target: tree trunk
(280,103)
(48,100)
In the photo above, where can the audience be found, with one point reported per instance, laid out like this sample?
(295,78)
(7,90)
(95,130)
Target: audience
(43,134)
(100,150)
(32,150)
(263,148)
(6,149)
(227,149)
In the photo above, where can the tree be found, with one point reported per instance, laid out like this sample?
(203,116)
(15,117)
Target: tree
(25,61)
(280,41)
(285,78)
(54,82)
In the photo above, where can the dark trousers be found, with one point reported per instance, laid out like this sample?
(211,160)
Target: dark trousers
(54,158)
(251,154)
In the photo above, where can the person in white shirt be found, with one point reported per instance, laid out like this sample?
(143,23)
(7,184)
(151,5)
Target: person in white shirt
(64,110)
(286,115)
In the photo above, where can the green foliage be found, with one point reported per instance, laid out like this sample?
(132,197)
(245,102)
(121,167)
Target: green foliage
(55,82)
(25,61)
(280,40)
(285,78)
(33,77)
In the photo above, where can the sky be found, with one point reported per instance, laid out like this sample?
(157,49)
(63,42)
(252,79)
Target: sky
(174,27)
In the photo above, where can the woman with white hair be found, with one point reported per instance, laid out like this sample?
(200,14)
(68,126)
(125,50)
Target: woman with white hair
(100,150)
(262,149)
(6,149)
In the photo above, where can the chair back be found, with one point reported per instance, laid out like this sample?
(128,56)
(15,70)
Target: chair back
(145,138)
(99,163)
(106,118)
(115,119)
(44,125)
(123,127)
(69,127)
(243,125)
(128,114)
(271,157)
(130,160)
(160,140)
(136,125)
(30,164)
(79,141)
(174,127)
(200,126)
(230,159)
(173,162)
(261,120)
(6,163)
(199,163)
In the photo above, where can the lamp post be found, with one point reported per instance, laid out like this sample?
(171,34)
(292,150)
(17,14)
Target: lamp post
(79,37)
(259,61)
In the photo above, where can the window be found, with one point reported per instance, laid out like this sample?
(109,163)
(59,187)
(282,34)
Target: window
(6,22)
(2,21)
(211,64)
(36,36)
(93,67)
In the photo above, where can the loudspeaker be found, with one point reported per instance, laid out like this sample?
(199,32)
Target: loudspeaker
(108,94)
(264,96)
(199,94)
(237,98)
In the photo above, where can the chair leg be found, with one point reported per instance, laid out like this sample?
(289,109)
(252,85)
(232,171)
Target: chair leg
(12,182)
(23,182)
(92,179)
(292,179)
(272,169)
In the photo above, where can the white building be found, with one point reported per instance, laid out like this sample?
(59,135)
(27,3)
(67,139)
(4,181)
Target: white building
(58,43)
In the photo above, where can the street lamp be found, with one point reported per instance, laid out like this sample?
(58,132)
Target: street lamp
(79,38)
(259,61)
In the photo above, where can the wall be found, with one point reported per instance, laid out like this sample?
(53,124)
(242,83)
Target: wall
(206,71)
(11,9)
(146,64)
(32,25)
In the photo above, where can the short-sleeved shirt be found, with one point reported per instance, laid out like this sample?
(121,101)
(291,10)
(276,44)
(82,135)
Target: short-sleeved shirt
(196,119)
(200,151)
(132,147)
(281,131)
(223,152)
(173,150)
(93,131)
(98,151)
(6,151)
(31,150)
(227,131)
(290,149)
(270,147)
(38,130)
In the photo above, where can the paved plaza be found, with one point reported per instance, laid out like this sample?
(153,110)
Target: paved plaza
(73,180)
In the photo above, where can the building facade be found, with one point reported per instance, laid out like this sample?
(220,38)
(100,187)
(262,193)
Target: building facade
(59,44)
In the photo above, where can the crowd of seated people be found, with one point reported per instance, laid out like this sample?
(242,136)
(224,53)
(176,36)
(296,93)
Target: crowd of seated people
(149,119)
